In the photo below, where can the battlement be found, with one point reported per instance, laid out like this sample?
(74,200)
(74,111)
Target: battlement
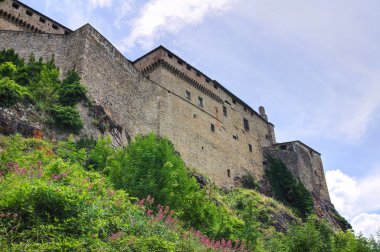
(17,16)
(161,56)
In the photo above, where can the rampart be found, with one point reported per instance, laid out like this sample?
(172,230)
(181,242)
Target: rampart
(212,129)
(19,17)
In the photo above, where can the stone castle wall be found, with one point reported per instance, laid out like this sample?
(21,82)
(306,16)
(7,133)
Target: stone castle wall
(150,95)
(17,16)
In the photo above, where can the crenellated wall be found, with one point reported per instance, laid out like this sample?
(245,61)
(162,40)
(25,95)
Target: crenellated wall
(14,15)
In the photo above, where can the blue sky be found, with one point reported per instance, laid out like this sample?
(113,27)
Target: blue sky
(314,65)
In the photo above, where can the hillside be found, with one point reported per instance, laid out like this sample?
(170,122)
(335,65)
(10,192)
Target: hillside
(78,193)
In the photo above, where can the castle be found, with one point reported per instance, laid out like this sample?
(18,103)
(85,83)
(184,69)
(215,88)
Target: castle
(212,129)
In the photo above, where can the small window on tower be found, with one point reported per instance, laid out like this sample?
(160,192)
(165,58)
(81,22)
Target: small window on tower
(29,13)
(250,147)
(42,20)
(200,101)
(212,127)
(55,27)
(228,173)
(224,110)
(246,124)
(188,95)
(15,5)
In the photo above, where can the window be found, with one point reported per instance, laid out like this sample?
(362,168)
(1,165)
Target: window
(200,101)
(250,147)
(224,110)
(198,73)
(42,20)
(234,101)
(207,80)
(228,173)
(188,95)
(215,86)
(15,5)
(29,13)
(170,55)
(212,127)
(246,124)
(180,61)
(188,67)
(55,27)
(235,137)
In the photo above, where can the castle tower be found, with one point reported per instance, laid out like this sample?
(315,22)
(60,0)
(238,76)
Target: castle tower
(16,16)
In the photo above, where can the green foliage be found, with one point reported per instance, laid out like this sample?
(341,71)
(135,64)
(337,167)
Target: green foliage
(260,214)
(67,117)
(71,77)
(153,244)
(50,203)
(7,69)
(150,166)
(38,82)
(287,189)
(71,91)
(12,93)
(10,56)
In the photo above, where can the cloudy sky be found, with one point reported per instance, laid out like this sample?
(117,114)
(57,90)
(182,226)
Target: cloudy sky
(314,65)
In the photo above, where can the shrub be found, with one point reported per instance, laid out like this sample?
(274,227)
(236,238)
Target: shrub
(71,77)
(151,166)
(67,117)
(7,69)
(11,93)
(10,56)
(287,189)
(71,94)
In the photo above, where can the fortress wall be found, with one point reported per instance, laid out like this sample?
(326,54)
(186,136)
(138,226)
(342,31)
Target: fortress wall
(65,49)
(140,106)
(127,97)
(305,164)
(189,127)
(6,25)
(17,16)
(208,88)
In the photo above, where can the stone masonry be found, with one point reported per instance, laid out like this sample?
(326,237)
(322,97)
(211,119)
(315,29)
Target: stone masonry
(212,129)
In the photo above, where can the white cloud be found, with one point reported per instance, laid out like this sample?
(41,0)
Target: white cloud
(368,224)
(158,17)
(335,44)
(356,199)
(121,12)
(100,3)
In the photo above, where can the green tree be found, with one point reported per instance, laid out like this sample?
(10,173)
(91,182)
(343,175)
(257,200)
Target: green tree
(11,93)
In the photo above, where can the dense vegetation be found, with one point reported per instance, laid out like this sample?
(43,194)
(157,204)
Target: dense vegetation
(287,189)
(37,83)
(88,195)
(76,195)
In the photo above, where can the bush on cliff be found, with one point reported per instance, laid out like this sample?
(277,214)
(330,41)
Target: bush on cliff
(287,189)
(71,91)
(66,117)
(151,166)
(49,204)
(12,93)
(38,82)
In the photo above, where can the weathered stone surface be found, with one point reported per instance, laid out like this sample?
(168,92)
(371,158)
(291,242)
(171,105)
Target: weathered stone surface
(20,119)
(305,164)
(211,128)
